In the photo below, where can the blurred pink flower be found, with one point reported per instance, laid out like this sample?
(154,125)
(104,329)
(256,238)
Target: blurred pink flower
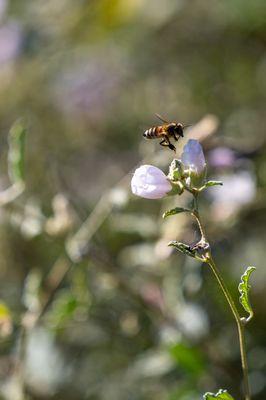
(221,157)
(10,42)
(86,86)
(150,182)
(193,157)
(238,190)
(152,294)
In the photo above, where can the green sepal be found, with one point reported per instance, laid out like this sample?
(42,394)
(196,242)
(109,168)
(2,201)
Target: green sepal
(177,188)
(176,170)
(213,183)
(244,288)
(221,395)
(176,210)
(195,180)
(16,140)
(183,248)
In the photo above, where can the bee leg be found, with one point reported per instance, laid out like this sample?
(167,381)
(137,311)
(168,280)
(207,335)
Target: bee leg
(170,145)
(166,142)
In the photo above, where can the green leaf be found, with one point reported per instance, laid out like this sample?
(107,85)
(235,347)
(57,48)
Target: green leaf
(188,358)
(244,288)
(213,183)
(16,142)
(183,248)
(174,211)
(63,309)
(221,395)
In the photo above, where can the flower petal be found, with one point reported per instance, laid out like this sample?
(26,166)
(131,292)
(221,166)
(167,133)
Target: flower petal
(150,182)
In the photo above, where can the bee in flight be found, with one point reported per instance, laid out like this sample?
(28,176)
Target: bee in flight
(165,132)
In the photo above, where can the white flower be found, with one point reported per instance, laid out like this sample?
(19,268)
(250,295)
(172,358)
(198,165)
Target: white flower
(194,164)
(193,157)
(150,182)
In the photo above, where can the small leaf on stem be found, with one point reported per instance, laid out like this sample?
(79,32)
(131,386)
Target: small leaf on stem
(213,183)
(183,248)
(174,211)
(221,395)
(244,288)
(16,141)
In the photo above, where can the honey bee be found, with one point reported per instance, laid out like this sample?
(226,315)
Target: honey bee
(165,132)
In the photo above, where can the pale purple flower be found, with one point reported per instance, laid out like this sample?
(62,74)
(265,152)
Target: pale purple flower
(193,157)
(10,42)
(150,182)
(221,157)
(86,87)
(238,189)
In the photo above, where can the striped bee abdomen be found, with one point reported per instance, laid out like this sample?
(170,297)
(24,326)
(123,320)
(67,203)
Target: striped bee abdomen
(151,133)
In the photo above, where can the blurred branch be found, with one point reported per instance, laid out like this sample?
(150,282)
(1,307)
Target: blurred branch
(204,129)
(10,194)
(16,153)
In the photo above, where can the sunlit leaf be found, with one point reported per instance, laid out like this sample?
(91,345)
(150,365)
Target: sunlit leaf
(174,211)
(244,288)
(213,183)
(188,358)
(62,310)
(16,142)
(221,395)
(183,248)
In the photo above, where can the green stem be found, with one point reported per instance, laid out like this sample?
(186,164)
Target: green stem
(195,213)
(240,325)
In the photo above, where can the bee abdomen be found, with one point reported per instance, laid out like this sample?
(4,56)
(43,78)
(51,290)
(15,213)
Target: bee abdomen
(150,133)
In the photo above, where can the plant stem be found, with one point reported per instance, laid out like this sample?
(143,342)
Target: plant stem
(195,213)
(240,325)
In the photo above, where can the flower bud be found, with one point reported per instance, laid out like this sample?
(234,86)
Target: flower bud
(194,164)
(176,170)
(150,182)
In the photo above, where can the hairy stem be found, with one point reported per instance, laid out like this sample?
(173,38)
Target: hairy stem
(240,325)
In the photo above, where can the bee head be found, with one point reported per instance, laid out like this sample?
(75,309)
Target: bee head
(172,129)
(178,129)
(175,129)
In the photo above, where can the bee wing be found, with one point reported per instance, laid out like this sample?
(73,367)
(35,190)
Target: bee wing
(161,118)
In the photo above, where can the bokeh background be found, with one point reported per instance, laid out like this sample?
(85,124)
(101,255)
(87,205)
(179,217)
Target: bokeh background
(94,305)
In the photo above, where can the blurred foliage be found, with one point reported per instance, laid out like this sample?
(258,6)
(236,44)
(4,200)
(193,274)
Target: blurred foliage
(101,307)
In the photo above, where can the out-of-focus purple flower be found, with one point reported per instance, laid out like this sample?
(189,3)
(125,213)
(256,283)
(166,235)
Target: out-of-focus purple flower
(193,157)
(87,86)
(221,157)
(238,190)
(10,42)
(150,182)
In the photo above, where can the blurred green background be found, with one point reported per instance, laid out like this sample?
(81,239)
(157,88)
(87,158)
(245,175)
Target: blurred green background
(94,305)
